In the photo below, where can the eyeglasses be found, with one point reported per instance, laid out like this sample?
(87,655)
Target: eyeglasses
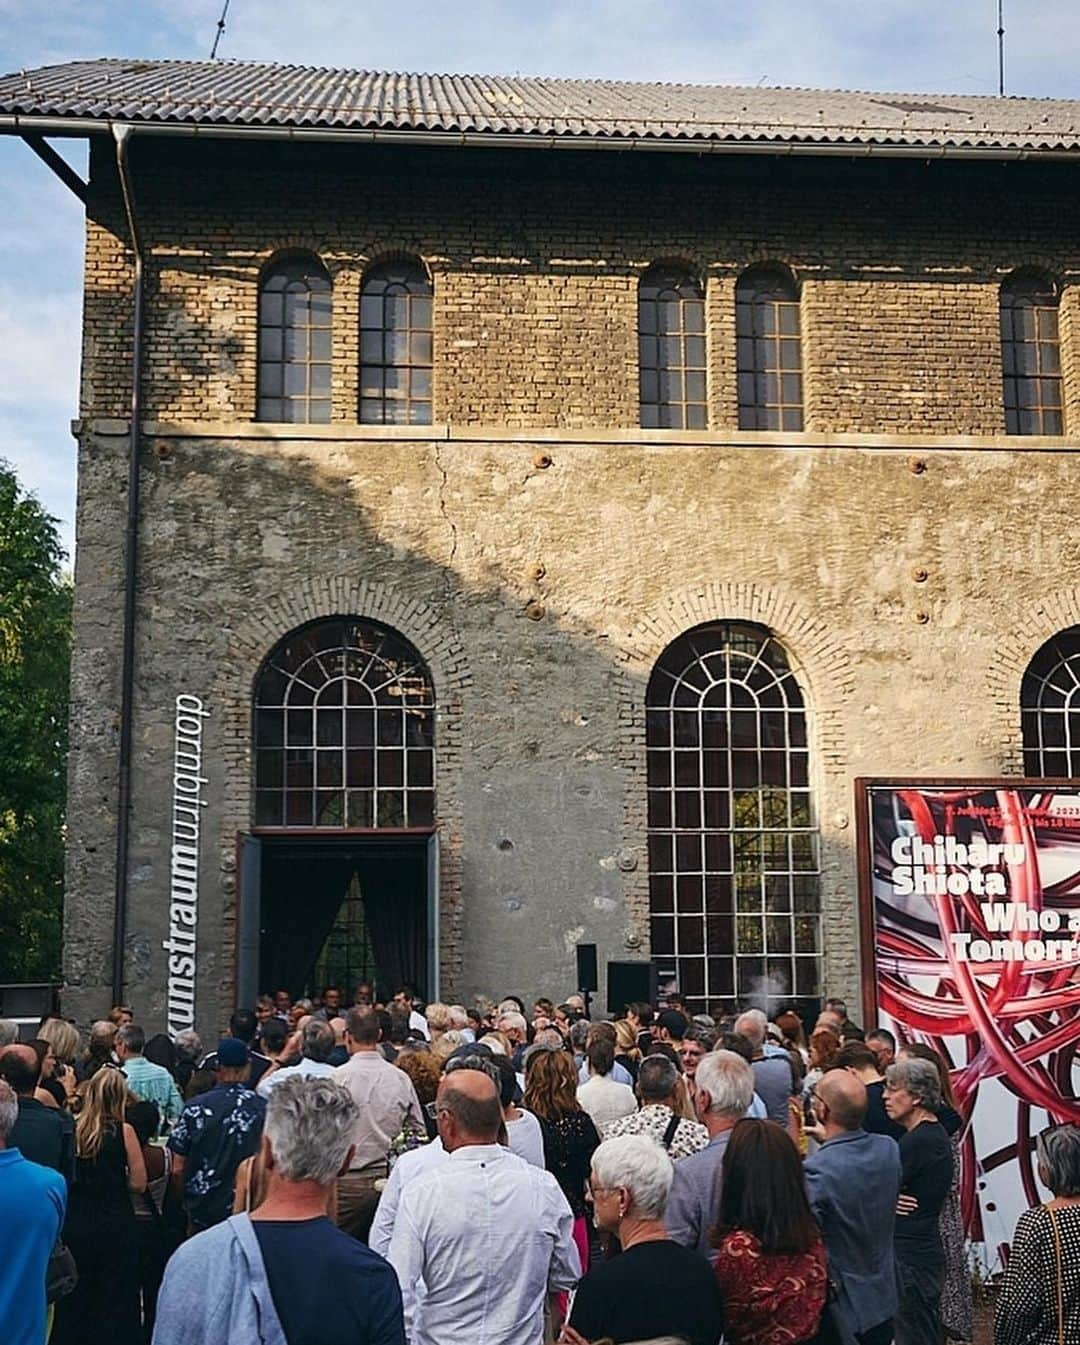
(433,1110)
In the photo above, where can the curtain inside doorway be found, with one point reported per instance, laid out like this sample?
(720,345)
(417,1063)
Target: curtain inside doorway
(393,890)
(301,898)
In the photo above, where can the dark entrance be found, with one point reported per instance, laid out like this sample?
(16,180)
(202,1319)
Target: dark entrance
(359,907)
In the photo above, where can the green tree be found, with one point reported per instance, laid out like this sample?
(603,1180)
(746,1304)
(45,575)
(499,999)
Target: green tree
(35,656)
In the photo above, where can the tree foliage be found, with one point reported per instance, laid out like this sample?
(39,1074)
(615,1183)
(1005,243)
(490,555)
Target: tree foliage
(35,656)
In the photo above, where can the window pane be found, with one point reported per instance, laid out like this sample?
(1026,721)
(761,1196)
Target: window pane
(395,345)
(671,324)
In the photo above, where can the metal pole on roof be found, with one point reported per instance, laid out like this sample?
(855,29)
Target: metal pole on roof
(1001,48)
(220,31)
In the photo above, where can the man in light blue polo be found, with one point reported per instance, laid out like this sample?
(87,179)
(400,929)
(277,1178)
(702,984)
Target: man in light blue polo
(853,1181)
(153,1083)
(33,1199)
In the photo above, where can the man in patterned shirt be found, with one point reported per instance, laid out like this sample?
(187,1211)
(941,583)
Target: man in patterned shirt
(658,1081)
(215,1133)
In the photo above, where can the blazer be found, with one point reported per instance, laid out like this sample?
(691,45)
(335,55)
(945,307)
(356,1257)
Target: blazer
(853,1181)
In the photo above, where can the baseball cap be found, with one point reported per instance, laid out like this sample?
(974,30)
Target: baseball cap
(232,1053)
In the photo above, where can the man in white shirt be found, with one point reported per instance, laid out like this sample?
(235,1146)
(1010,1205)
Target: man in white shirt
(387,1104)
(317,1041)
(481,1239)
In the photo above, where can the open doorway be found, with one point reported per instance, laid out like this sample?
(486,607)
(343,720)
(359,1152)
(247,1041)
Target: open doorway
(317,910)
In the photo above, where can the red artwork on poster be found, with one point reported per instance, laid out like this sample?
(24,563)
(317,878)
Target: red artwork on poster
(970,907)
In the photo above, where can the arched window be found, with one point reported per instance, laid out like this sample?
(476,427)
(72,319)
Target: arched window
(768,350)
(294,342)
(1050,708)
(671,351)
(1031,356)
(395,345)
(344,730)
(733,847)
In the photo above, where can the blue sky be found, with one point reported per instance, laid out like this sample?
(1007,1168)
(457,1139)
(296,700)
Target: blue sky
(898,45)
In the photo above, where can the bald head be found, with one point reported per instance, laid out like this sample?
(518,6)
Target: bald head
(845,1097)
(19,1067)
(469,1109)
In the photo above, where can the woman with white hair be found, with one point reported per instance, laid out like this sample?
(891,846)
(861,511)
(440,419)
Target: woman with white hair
(1039,1303)
(656,1287)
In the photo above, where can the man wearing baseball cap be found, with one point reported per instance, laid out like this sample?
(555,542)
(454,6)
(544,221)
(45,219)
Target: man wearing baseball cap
(215,1133)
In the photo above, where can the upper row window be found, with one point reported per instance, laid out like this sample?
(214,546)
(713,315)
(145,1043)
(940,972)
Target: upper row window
(295,318)
(396,356)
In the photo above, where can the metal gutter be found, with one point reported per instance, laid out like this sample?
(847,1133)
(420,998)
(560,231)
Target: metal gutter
(20,124)
(122,134)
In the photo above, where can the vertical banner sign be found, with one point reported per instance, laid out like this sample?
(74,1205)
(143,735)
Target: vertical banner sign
(970,905)
(188,802)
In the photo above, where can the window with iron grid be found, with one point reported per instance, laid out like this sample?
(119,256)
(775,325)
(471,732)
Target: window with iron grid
(768,350)
(1050,709)
(671,352)
(396,345)
(733,843)
(1031,358)
(295,316)
(344,731)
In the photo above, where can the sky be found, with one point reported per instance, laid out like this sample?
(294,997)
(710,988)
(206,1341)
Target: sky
(918,46)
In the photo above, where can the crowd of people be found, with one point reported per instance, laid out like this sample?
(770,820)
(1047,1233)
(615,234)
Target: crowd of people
(390,1172)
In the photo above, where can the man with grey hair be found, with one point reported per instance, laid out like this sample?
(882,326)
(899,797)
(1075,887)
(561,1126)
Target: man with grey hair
(9,1032)
(725,1086)
(659,1118)
(629,1184)
(317,1043)
(153,1083)
(774,1078)
(487,1236)
(189,1049)
(284,1273)
(34,1201)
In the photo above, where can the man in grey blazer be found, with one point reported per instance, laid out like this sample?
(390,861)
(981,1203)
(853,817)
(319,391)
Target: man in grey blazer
(853,1182)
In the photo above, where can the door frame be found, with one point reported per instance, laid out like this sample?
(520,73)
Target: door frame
(249,855)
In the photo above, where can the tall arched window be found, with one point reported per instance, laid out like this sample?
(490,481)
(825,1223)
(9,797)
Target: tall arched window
(1031,356)
(671,351)
(396,345)
(768,350)
(295,312)
(344,730)
(1050,708)
(733,847)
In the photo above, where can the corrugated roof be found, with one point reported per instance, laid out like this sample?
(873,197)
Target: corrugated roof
(247,94)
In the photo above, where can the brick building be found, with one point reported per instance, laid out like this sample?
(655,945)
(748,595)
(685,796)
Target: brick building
(540,544)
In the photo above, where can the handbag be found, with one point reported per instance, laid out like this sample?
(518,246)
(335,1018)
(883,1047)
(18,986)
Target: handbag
(1060,1274)
(61,1274)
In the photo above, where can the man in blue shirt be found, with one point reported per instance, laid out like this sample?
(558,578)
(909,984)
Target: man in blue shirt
(33,1199)
(215,1133)
(153,1083)
(853,1181)
(284,1274)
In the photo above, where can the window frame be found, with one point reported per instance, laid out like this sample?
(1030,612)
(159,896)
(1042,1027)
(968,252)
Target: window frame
(1018,295)
(411,282)
(276,369)
(770,386)
(672,357)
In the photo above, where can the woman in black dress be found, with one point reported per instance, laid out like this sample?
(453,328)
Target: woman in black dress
(570,1138)
(100,1226)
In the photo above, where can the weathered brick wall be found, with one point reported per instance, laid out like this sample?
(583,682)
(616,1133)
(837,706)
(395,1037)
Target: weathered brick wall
(535,261)
(248,532)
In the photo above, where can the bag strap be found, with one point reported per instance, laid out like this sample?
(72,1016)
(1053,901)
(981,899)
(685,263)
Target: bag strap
(1060,1274)
(669,1134)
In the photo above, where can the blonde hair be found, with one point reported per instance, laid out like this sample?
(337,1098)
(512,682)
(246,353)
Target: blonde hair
(63,1037)
(626,1039)
(438,1017)
(445,1046)
(102,1111)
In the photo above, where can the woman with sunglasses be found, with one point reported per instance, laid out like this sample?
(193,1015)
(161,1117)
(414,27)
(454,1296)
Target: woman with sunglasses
(1039,1303)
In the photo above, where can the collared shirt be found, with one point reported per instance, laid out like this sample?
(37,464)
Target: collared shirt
(387,1103)
(412,1164)
(33,1199)
(153,1083)
(45,1135)
(653,1120)
(853,1181)
(619,1074)
(215,1133)
(525,1137)
(693,1207)
(306,1069)
(485,1237)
